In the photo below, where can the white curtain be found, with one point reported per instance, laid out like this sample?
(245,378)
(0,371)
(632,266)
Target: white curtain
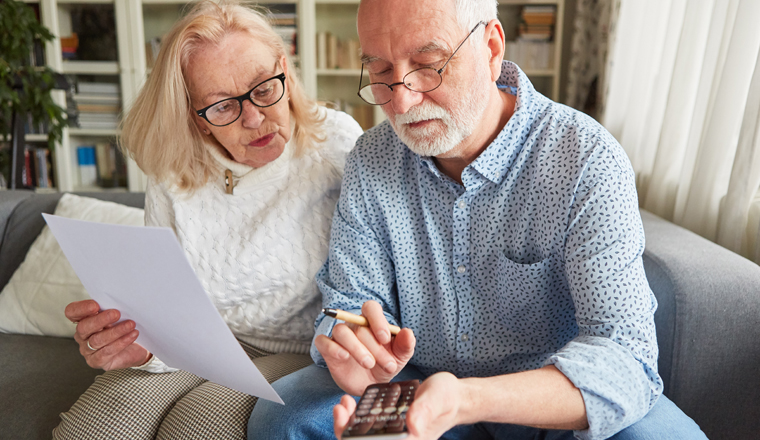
(683,98)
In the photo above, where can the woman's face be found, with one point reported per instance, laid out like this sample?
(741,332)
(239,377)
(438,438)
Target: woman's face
(230,69)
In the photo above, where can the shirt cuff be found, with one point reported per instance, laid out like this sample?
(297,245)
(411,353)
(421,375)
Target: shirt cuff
(325,328)
(155,365)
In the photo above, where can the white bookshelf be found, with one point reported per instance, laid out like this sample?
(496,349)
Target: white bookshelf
(138,21)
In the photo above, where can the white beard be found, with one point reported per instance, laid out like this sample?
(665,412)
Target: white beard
(449,128)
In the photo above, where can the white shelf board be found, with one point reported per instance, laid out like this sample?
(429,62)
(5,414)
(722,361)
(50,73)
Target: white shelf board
(337,2)
(91,67)
(528,2)
(339,72)
(541,72)
(84,2)
(93,132)
(167,2)
(36,137)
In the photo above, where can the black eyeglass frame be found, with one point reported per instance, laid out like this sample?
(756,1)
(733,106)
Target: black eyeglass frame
(243,97)
(403,82)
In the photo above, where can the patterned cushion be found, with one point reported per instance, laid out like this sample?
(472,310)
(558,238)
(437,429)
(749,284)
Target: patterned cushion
(137,405)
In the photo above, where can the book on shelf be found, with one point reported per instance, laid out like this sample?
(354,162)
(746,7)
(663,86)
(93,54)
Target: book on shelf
(38,168)
(101,164)
(289,38)
(69,46)
(30,127)
(364,114)
(111,165)
(531,54)
(337,53)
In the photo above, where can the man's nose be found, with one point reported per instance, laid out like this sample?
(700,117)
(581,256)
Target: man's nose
(403,99)
(252,116)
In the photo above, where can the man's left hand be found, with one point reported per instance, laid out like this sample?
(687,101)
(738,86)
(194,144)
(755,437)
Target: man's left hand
(436,408)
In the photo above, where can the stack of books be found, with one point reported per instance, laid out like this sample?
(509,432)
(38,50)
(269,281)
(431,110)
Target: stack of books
(336,53)
(98,104)
(284,24)
(538,23)
(69,46)
(534,48)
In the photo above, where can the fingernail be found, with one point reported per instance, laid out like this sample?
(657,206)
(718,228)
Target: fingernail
(367,362)
(385,337)
(390,367)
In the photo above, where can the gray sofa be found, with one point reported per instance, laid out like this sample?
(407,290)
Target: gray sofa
(708,326)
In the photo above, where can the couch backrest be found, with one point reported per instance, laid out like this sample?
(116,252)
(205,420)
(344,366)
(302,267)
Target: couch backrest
(21,222)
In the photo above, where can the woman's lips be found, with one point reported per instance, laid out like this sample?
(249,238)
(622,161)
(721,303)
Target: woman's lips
(262,141)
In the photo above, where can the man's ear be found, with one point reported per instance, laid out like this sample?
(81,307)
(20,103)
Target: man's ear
(494,35)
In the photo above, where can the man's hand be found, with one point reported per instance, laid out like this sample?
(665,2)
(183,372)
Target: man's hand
(111,346)
(435,410)
(359,356)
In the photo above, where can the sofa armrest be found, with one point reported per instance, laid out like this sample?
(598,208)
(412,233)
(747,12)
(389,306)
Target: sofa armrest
(708,328)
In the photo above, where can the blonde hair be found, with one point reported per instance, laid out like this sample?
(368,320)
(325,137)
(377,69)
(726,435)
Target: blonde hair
(159,131)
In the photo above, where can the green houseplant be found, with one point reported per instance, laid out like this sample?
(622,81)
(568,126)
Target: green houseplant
(25,89)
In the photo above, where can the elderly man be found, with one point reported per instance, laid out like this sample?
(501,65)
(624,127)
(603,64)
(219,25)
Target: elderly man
(501,230)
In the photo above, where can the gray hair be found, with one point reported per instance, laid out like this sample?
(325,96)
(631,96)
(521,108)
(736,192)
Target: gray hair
(470,12)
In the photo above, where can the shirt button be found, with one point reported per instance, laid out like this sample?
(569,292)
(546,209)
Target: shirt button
(465,337)
(462,204)
(461,269)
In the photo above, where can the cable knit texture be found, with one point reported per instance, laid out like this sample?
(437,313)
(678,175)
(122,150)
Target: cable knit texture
(256,251)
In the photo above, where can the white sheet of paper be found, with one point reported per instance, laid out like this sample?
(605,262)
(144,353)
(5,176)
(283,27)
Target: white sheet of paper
(143,273)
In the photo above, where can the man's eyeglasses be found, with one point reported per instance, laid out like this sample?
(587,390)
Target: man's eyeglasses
(265,94)
(421,80)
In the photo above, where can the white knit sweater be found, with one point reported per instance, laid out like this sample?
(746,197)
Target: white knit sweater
(256,251)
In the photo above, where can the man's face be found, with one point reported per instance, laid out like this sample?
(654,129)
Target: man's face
(399,36)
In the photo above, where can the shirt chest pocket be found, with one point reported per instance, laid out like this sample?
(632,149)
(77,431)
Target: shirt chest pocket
(533,302)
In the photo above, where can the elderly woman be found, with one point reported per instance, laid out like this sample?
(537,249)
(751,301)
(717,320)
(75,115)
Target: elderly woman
(246,170)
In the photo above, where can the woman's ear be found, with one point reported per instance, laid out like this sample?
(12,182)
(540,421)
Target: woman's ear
(201,124)
(284,64)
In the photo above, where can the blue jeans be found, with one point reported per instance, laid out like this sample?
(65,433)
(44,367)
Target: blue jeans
(310,394)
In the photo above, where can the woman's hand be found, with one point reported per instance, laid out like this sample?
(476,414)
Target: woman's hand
(359,356)
(111,346)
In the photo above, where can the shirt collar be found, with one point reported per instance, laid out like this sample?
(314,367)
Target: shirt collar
(496,160)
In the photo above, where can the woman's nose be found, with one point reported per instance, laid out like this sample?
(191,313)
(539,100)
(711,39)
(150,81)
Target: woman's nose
(252,116)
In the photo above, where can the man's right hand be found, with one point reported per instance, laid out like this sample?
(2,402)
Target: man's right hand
(359,356)
(113,345)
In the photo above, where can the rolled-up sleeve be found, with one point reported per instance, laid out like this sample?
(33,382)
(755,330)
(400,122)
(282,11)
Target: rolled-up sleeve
(613,360)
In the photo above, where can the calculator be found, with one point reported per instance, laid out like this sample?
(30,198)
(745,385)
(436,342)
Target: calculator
(381,411)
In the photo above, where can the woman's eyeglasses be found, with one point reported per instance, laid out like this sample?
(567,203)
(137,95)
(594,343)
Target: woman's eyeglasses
(265,94)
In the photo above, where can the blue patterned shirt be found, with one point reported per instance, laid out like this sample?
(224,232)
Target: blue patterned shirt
(534,260)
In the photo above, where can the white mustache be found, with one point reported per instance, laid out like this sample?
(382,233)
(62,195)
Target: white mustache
(422,112)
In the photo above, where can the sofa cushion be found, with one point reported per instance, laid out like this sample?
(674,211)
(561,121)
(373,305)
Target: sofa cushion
(26,223)
(34,299)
